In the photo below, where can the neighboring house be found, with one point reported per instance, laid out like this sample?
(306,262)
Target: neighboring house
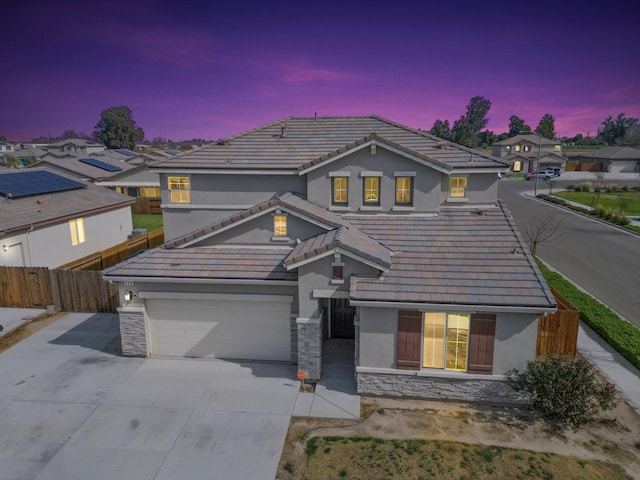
(138,181)
(6,148)
(30,155)
(308,229)
(612,159)
(48,220)
(521,152)
(94,168)
(77,147)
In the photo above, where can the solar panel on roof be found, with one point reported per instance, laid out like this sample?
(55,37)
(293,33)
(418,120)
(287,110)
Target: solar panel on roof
(24,184)
(124,151)
(100,164)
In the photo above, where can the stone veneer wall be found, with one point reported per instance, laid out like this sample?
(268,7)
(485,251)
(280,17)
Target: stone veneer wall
(310,347)
(356,350)
(132,332)
(435,388)
(294,340)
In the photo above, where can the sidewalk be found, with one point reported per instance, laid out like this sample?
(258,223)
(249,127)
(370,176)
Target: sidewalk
(12,318)
(613,366)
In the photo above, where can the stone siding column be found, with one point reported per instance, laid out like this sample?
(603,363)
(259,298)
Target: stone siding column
(133,333)
(310,347)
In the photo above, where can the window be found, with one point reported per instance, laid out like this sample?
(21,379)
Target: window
(458,187)
(337,272)
(76,226)
(279,226)
(150,192)
(180,189)
(404,190)
(556,148)
(450,341)
(372,190)
(516,148)
(527,148)
(340,193)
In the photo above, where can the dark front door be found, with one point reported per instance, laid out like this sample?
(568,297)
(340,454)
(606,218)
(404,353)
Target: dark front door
(342,318)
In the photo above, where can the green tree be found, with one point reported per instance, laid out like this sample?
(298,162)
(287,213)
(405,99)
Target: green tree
(3,138)
(117,129)
(487,138)
(441,129)
(466,129)
(517,126)
(614,129)
(547,127)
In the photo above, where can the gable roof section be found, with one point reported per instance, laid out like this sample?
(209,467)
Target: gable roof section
(207,263)
(288,201)
(351,241)
(292,143)
(457,258)
(527,138)
(40,210)
(75,166)
(614,153)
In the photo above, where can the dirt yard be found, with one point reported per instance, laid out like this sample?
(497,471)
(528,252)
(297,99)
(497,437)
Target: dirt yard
(614,439)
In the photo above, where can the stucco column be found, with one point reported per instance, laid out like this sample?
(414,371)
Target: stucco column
(133,335)
(310,347)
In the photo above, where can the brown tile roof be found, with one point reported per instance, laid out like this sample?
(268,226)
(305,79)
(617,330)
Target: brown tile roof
(20,213)
(348,239)
(295,142)
(613,153)
(288,200)
(225,263)
(459,257)
(527,138)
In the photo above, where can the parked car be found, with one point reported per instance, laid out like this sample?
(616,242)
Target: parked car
(542,175)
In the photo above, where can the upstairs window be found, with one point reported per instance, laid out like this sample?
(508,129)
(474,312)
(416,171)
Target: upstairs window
(180,189)
(76,226)
(339,191)
(371,191)
(516,148)
(404,190)
(527,148)
(458,187)
(556,148)
(279,226)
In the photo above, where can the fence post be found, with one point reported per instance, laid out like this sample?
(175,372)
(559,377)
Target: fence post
(55,290)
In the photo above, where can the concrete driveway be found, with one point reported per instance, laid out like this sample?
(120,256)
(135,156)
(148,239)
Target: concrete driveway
(70,409)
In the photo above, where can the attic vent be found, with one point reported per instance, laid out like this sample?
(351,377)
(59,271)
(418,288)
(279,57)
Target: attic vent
(224,142)
(442,145)
(480,212)
(283,132)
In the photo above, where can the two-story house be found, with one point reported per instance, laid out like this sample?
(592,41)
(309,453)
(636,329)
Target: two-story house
(523,152)
(75,147)
(308,229)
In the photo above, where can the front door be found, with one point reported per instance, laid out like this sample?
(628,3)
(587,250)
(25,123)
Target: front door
(342,314)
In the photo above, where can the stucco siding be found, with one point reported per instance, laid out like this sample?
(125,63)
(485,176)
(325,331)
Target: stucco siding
(425,187)
(515,343)
(482,189)
(378,337)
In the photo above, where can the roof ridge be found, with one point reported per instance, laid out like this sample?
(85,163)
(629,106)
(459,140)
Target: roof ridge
(252,130)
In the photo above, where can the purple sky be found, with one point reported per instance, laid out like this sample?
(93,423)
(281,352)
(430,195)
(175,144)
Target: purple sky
(209,69)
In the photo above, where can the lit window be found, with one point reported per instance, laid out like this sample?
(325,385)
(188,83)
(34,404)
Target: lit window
(150,192)
(180,189)
(458,187)
(372,190)
(340,193)
(556,148)
(516,148)
(404,190)
(446,341)
(279,226)
(527,148)
(76,226)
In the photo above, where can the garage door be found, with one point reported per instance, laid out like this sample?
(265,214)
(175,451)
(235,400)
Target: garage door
(220,329)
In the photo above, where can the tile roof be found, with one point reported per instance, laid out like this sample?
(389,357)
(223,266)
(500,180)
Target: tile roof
(225,263)
(287,200)
(459,257)
(75,166)
(350,240)
(523,138)
(20,213)
(613,153)
(295,142)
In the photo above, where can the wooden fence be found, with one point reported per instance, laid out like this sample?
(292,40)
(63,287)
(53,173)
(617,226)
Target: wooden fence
(146,206)
(558,332)
(109,257)
(66,290)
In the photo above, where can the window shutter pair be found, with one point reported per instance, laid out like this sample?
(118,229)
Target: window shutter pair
(481,340)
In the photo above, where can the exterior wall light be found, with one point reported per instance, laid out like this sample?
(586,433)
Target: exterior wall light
(127,296)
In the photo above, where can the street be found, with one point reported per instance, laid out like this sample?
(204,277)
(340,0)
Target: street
(602,260)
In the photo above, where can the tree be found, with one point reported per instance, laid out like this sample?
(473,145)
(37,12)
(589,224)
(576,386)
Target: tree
(487,138)
(541,229)
(565,393)
(466,129)
(441,129)
(547,127)
(117,129)
(632,135)
(614,130)
(517,126)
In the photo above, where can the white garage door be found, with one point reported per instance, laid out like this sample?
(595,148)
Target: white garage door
(220,328)
(623,166)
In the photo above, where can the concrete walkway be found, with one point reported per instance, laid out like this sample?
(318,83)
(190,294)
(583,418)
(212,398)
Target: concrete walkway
(12,318)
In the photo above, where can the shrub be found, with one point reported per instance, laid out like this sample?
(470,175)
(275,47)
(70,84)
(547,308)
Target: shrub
(611,187)
(624,188)
(572,187)
(599,211)
(608,216)
(566,394)
(623,220)
(586,186)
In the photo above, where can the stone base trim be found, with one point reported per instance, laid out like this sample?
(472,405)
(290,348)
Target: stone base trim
(133,334)
(491,390)
(310,347)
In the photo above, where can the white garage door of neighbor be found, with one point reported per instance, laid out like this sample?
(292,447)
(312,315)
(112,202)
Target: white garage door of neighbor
(220,329)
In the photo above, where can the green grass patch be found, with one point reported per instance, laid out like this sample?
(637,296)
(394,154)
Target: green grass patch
(613,201)
(620,334)
(150,222)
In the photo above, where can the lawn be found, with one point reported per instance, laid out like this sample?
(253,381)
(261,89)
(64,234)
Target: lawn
(150,222)
(610,201)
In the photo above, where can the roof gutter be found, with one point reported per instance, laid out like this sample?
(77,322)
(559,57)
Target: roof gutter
(204,281)
(438,307)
